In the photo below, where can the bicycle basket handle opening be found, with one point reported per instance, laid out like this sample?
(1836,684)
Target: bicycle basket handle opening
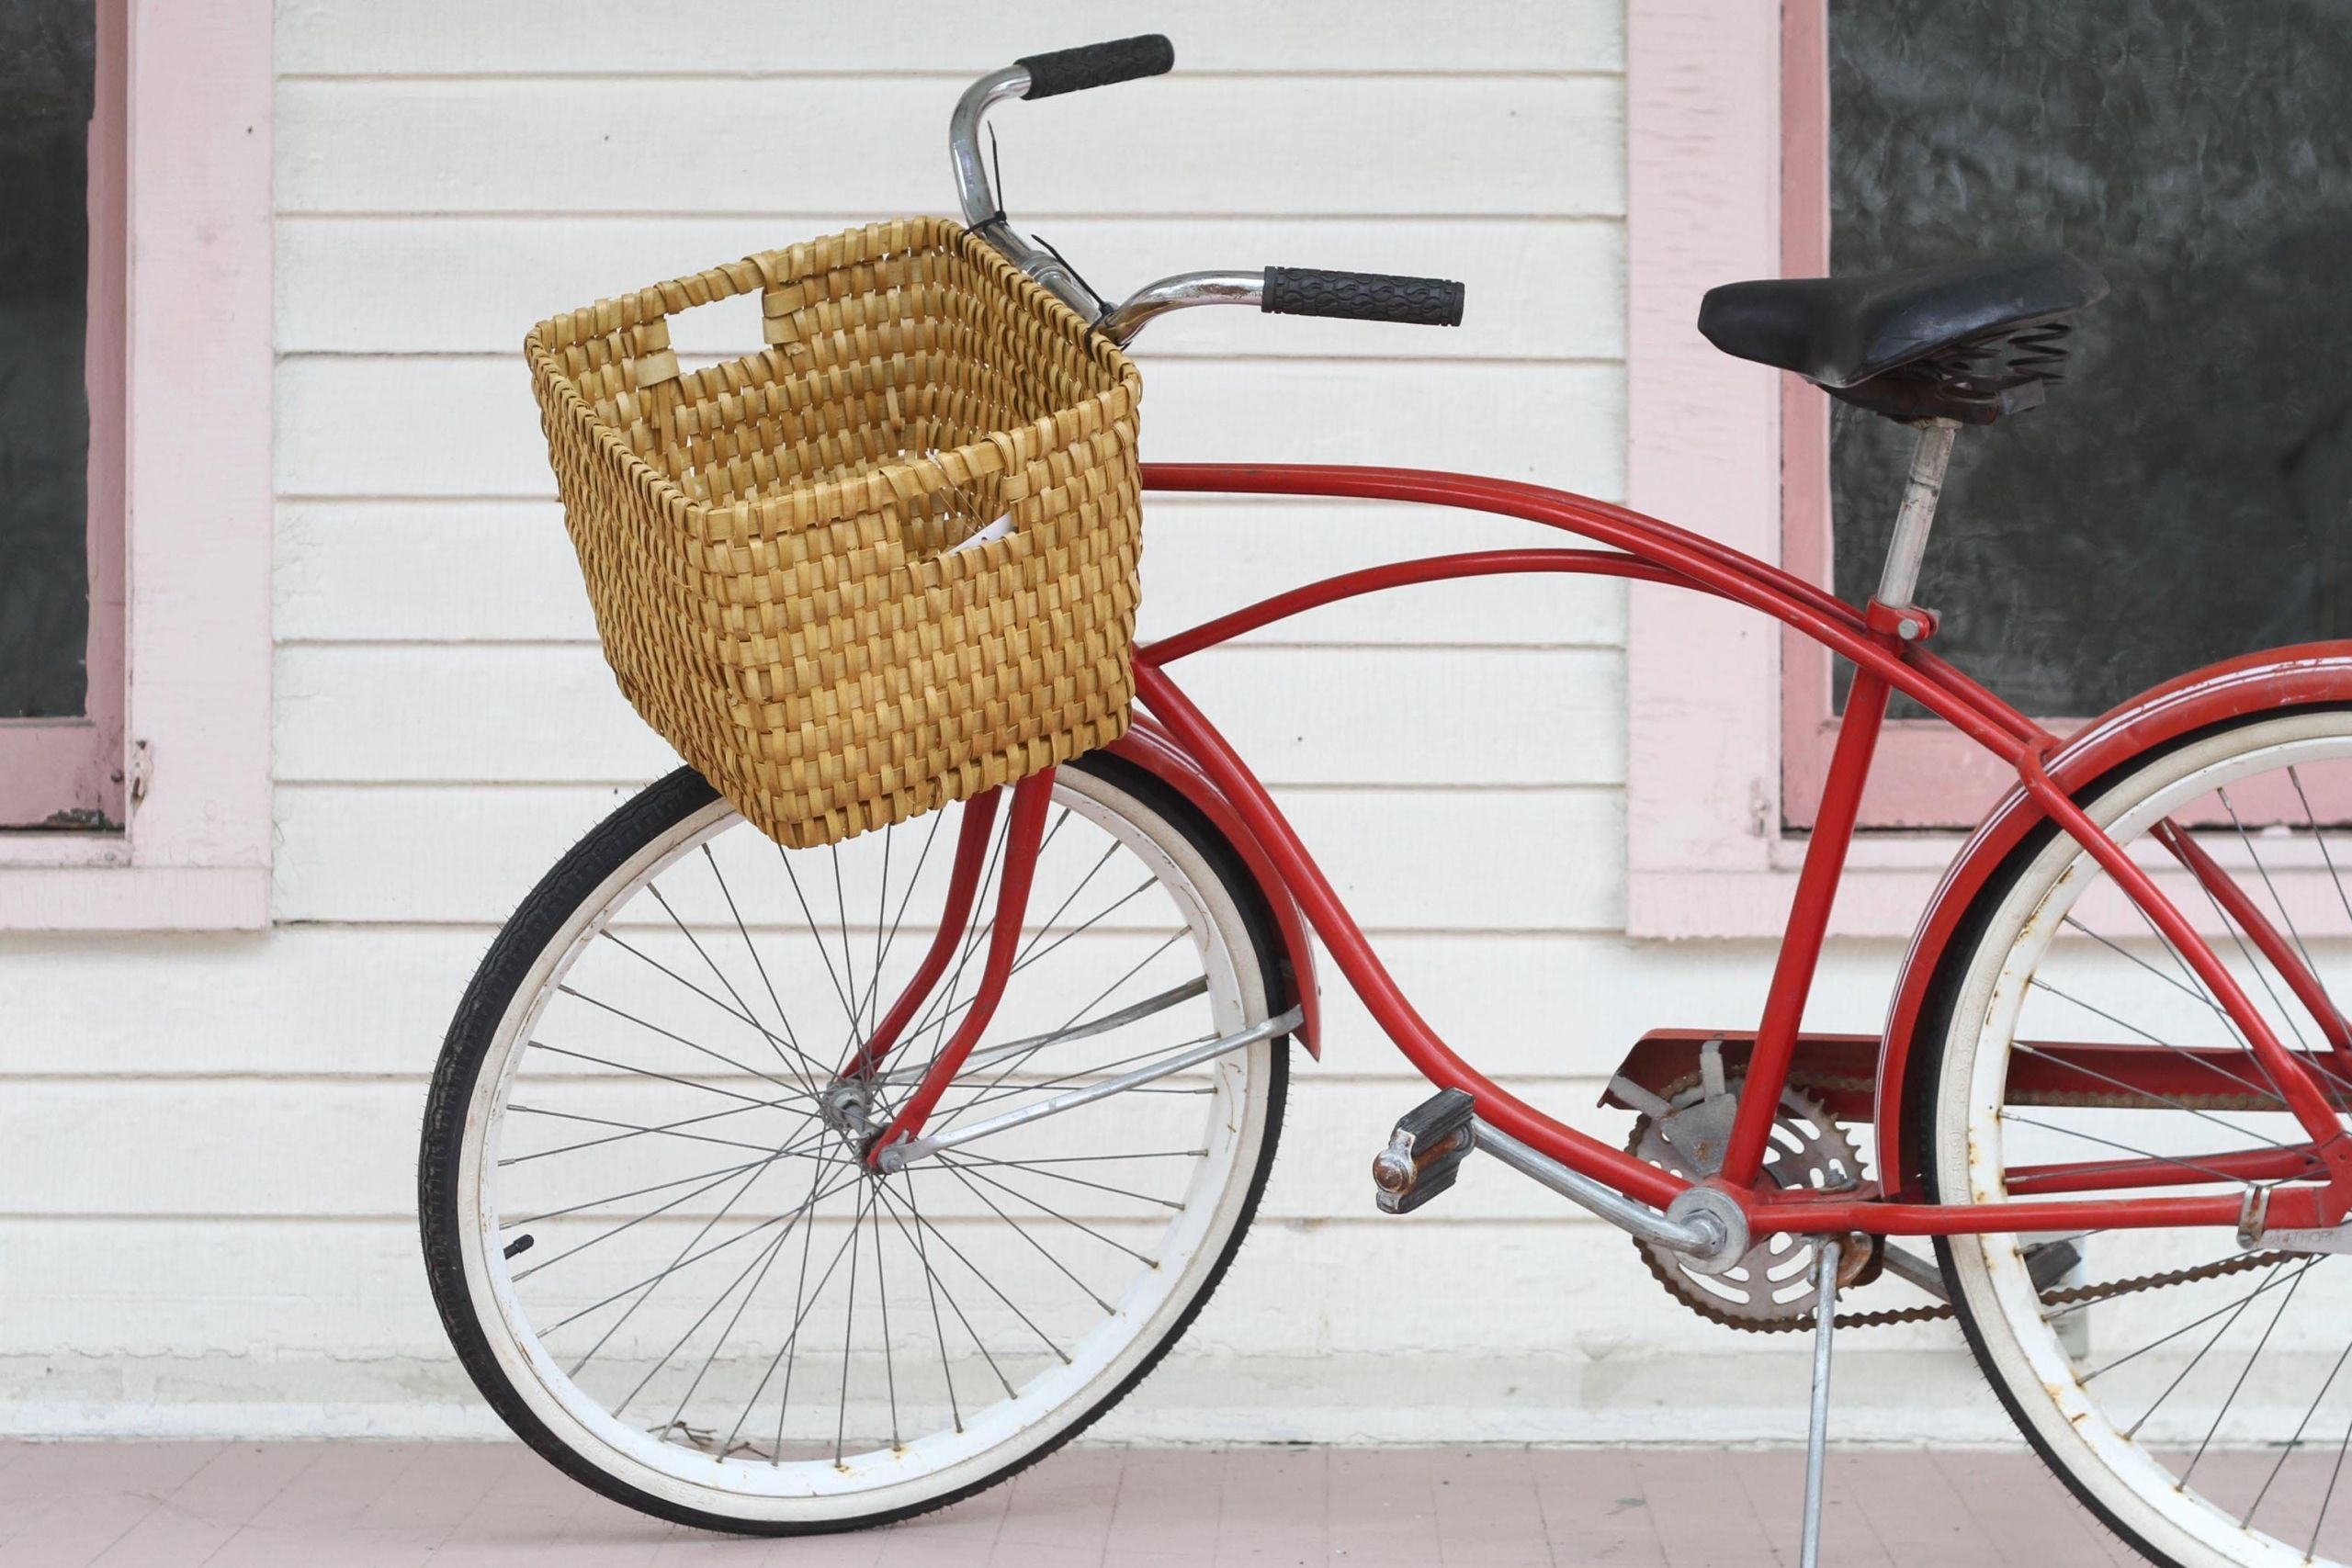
(770,544)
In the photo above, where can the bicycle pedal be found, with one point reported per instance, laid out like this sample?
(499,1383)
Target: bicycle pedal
(1425,1152)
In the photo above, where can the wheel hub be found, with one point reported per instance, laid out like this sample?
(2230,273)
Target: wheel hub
(847,1107)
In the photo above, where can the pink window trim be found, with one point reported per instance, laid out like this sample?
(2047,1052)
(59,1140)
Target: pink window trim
(196,500)
(73,768)
(1707,852)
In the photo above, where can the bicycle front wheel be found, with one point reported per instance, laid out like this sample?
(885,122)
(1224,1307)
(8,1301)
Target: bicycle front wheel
(659,1255)
(2193,1393)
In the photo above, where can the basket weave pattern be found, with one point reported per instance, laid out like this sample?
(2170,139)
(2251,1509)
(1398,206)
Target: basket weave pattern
(769,542)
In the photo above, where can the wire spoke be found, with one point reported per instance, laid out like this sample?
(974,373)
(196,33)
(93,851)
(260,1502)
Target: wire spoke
(742,1010)
(1021,1231)
(2321,839)
(2008,1115)
(938,1329)
(2288,1448)
(801,1089)
(849,960)
(806,1117)
(2182,1376)
(647,1073)
(782,1017)
(632,1126)
(882,1301)
(2267,1284)
(682,1261)
(815,934)
(638,1192)
(760,1260)
(915,1236)
(2073,1065)
(962,1165)
(2244,1372)
(2195,990)
(982,1097)
(2040,984)
(849,1326)
(2284,913)
(1018,964)
(890,939)
(957,1253)
(649,1213)
(1014,1064)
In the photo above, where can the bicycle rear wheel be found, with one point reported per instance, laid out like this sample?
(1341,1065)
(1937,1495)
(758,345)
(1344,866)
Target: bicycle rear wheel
(2208,1417)
(665,1266)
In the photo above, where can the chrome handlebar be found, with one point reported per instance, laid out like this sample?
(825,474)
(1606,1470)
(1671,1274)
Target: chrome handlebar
(976,195)
(1295,291)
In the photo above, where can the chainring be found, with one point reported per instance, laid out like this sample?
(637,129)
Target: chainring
(1772,1285)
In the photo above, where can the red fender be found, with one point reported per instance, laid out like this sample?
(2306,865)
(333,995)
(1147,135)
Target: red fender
(1150,747)
(2235,688)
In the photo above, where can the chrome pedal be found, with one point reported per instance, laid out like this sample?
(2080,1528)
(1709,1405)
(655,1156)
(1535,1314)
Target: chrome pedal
(1425,1152)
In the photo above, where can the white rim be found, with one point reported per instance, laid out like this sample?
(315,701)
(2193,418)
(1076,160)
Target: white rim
(2030,1359)
(940,1463)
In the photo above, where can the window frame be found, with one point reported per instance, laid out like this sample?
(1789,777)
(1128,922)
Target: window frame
(1927,775)
(72,769)
(192,657)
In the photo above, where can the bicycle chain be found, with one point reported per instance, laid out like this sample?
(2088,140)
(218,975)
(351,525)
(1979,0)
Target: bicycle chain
(2069,1297)
(2072,1296)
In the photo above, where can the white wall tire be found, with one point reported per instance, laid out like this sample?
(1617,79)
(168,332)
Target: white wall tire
(471,1120)
(2133,1467)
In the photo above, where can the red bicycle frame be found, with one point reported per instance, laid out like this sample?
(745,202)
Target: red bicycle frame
(1644,549)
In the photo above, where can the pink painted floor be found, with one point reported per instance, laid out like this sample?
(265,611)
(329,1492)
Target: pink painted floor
(363,1505)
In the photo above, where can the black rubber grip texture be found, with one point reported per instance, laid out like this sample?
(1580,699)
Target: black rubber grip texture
(1362,297)
(1097,65)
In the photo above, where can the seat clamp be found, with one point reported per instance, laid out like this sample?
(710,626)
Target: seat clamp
(1904,623)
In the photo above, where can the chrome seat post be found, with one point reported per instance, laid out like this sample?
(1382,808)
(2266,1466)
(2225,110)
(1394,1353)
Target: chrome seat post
(1900,579)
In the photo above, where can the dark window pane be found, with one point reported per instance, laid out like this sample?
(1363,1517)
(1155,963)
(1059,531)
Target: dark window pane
(47,53)
(2187,494)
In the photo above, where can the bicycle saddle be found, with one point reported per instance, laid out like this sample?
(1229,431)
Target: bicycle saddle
(1934,333)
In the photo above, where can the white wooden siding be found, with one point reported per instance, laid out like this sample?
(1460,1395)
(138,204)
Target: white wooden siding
(209,1142)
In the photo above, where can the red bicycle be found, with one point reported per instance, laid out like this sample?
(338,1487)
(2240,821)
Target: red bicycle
(750,1215)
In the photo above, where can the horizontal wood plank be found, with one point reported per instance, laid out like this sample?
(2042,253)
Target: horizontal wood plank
(381,284)
(323,1001)
(1302,716)
(355,1291)
(738,37)
(1422,145)
(230,1144)
(469,427)
(503,571)
(1546,860)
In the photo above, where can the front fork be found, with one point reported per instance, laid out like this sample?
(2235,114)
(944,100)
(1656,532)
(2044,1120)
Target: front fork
(1025,832)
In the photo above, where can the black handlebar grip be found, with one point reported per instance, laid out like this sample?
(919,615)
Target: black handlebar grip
(1362,297)
(1097,65)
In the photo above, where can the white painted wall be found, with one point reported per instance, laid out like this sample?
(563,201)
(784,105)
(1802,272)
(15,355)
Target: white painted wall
(208,1142)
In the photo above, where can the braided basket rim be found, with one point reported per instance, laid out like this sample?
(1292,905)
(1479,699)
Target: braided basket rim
(806,505)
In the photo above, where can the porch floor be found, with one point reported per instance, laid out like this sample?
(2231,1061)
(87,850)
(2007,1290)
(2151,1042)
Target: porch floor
(361,1504)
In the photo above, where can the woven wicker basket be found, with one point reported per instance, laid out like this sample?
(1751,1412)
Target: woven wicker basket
(770,544)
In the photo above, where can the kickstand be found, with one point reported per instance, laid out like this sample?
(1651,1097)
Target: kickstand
(1825,1324)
